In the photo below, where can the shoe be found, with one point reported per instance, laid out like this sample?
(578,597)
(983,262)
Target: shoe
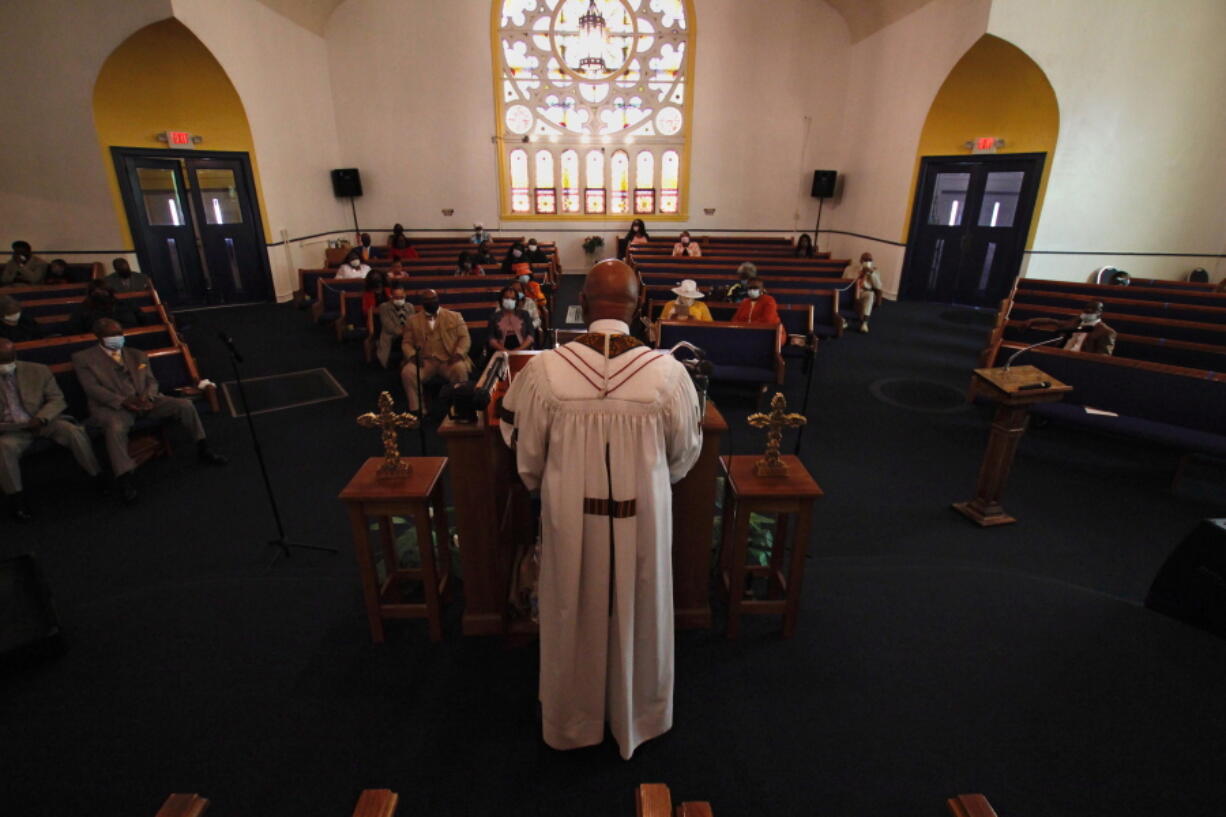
(20,509)
(864,327)
(208,456)
(127,491)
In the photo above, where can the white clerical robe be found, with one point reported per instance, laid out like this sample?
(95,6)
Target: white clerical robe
(604,418)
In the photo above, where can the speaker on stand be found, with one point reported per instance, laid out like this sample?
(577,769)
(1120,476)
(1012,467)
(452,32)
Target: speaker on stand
(823,188)
(347,183)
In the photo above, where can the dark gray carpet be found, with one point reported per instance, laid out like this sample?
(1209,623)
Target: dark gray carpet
(932,657)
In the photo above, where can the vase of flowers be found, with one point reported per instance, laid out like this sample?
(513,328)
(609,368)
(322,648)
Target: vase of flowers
(592,245)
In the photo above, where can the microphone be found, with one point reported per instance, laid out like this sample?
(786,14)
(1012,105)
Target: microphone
(229,342)
(1015,355)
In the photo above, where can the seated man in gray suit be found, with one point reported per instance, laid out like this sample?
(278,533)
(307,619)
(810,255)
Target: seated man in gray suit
(121,388)
(123,279)
(392,316)
(32,405)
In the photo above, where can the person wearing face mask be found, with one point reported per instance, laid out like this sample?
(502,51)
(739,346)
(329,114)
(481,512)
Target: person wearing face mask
(366,250)
(515,263)
(524,277)
(744,272)
(871,294)
(466,266)
(804,246)
(485,254)
(510,327)
(758,307)
(399,247)
(479,235)
(686,247)
(32,406)
(100,302)
(57,272)
(533,253)
(526,304)
(123,279)
(16,324)
(121,388)
(393,313)
(440,337)
(353,266)
(688,305)
(374,290)
(24,267)
(1084,333)
(637,234)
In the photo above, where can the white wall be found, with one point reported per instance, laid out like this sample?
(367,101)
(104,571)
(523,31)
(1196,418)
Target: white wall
(280,71)
(1139,165)
(893,76)
(54,191)
(429,148)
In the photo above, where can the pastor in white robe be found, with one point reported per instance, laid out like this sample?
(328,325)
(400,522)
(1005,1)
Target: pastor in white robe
(602,426)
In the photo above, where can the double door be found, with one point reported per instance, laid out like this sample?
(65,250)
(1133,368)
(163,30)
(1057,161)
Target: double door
(971,218)
(196,225)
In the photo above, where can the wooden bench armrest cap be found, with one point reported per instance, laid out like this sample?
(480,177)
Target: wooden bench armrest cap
(183,805)
(970,805)
(653,800)
(698,808)
(376,803)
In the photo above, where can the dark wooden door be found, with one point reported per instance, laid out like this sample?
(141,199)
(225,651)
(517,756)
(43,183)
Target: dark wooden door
(196,225)
(230,245)
(971,218)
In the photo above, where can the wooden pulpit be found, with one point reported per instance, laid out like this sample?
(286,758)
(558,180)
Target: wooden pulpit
(1013,390)
(494,521)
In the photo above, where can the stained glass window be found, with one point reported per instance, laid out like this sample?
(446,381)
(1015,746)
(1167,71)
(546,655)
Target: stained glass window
(594,192)
(574,74)
(546,195)
(669,175)
(519,181)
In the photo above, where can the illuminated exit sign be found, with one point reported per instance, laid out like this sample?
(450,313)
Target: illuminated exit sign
(985,144)
(179,139)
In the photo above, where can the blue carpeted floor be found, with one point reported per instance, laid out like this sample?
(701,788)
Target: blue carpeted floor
(932,657)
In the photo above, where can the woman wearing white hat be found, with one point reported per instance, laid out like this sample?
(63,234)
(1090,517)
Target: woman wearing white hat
(688,306)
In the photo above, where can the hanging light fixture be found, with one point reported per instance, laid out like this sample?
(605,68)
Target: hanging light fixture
(592,36)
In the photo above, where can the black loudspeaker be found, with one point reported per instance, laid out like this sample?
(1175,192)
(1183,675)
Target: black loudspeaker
(347,182)
(28,625)
(1191,586)
(823,183)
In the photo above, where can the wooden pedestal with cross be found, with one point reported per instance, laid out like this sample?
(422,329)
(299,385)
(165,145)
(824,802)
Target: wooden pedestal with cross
(418,494)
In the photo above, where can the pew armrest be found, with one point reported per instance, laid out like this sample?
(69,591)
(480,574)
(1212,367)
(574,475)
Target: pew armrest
(376,803)
(970,805)
(183,805)
(653,800)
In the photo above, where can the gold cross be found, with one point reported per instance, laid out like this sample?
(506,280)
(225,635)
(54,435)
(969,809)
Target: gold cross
(774,423)
(388,422)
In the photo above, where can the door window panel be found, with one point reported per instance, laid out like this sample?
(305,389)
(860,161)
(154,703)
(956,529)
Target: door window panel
(159,189)
(1000,196)
(949,199)
(219,196)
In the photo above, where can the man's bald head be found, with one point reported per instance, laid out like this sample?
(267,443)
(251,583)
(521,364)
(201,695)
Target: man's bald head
(106,327)
(8,352)
(610,292)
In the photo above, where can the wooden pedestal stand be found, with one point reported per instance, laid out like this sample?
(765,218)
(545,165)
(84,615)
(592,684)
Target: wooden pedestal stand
(1014,390)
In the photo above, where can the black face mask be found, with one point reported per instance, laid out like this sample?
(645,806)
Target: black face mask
(430,308)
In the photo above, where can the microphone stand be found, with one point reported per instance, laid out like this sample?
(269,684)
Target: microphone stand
(282,544)
(421,401)
(1014,356)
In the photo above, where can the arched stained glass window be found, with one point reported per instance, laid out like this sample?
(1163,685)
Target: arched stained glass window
(619,183)
(576,73)
(644,182)
(545,194)
(519,181)
(594,192)
(570,182)
(670,169)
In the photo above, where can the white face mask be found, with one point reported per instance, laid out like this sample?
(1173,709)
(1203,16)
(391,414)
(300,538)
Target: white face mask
(754,294)
(531,248)
(508,303)
(12,319)
(869,265)
(525,278)
(1090,318)
(398,301)
(685,239)
(516,253)
(8,368)
(355,263)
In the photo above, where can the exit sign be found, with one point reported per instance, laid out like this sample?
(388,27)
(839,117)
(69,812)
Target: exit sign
(986,144)
(179,139)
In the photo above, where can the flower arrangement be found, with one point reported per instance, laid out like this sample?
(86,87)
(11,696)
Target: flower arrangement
(592,243)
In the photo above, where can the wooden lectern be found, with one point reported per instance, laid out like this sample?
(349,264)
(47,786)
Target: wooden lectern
(494,521)
(1013,390)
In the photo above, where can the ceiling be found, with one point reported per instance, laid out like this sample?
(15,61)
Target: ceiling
(863,17)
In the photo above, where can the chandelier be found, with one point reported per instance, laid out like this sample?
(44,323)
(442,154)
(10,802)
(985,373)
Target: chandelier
(592,37)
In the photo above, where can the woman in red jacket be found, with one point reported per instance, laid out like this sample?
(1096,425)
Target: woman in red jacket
(758,307)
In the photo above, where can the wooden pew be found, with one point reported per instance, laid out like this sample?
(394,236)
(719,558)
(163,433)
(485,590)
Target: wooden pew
(49,351)
(655,800)
(739,352)
(376,803)
(1155,292)
(183,805)
(1126,306)
(970,805)
(1139,347)
(1191,331)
